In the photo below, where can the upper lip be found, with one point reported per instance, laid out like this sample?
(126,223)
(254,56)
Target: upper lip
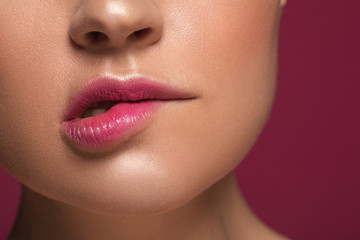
(107,88)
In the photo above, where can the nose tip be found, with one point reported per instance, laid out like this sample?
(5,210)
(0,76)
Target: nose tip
(110,24)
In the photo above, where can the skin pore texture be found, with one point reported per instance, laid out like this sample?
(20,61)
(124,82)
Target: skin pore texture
(174,178)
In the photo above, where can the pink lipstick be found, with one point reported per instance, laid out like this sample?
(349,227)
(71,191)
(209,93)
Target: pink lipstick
(108,110)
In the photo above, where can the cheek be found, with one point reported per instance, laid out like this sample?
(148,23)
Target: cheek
(32,80)
(240,68)
(234,61)
(229,51)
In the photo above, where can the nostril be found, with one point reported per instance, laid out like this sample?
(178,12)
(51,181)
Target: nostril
(142,33)
(96,37)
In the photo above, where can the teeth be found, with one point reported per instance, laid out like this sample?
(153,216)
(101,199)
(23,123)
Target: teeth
(93,112)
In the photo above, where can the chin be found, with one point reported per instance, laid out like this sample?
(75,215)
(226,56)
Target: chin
(144,198)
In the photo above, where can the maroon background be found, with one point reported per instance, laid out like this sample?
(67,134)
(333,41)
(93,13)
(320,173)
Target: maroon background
(302,177)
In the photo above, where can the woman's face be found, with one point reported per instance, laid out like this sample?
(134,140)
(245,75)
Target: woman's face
(222,53)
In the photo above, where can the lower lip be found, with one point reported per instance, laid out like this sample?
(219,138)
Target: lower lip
(106,130)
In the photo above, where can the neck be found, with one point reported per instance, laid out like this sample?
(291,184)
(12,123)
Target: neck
(220,212)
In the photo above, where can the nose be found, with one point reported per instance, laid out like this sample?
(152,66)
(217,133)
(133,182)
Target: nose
(114,24)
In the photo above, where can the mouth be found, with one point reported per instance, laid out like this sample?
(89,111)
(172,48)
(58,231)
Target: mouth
(108,110)
(98,108)
(102,107)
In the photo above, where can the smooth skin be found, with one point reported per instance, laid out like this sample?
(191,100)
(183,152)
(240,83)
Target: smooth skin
(172,180)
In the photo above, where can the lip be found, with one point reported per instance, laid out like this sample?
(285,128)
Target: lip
(138,98)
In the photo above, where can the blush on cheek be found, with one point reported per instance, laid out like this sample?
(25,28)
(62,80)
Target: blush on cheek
(226,35)
(249,30)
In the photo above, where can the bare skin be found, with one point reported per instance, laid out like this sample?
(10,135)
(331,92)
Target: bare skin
(220,212)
